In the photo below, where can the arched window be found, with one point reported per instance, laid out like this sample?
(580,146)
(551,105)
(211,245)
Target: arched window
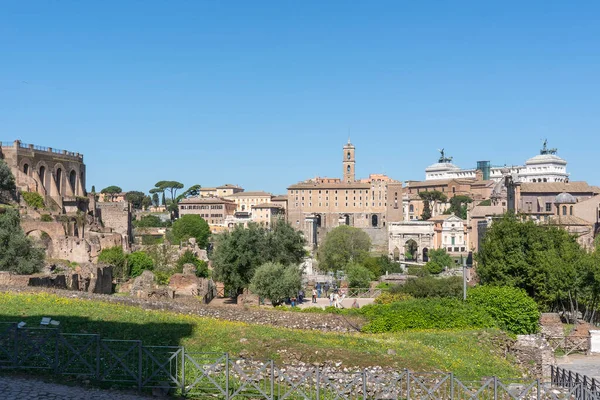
(545,180)
(374,221)
(348,168)
(348,155)
(571,210)
(411,208)
(42,175)
(564,210)
(72,180)
(26,169)
(243,207)
(58,179)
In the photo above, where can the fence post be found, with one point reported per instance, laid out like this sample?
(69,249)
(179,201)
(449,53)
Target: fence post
(98,344)
(183,370)
(552,374)
(140,373)
(318,383)
(364,383)
(537,384)
(226,376)
(407,384)
(495,388)
(451,385)
(56,357)
(272,380)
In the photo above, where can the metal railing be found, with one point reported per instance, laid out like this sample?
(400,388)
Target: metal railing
(584,386)
(217,375)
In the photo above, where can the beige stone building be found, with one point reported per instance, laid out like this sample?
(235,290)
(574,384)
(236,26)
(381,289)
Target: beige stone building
(57,175)
(220,191)
(213,209)
(318,205)
(267,214)
(246,200)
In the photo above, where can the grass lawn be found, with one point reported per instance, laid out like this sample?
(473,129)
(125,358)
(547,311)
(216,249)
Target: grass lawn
(469,354)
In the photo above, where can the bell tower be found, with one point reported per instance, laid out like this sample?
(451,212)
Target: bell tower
(348,162)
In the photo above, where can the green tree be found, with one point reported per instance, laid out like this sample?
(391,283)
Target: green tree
(188,257)
(155,200)
(341,246)
(138,262)
(237,254)
(544,260)
(430,198)
(163,257)
(458,206)
(17,252)
(168,186)
(150,221)
(358,276)
(429,286)
(146,202)
(191,226)
(110,192)
(192,191)
(284,244)
(33,200)
(136,199)
(7,182)
(240,252)
(116,257)
(93,189)
(276,282)
(438,259)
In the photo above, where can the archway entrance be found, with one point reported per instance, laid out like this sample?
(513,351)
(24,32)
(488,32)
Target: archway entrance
(42,240)
(425,254)
(374,221)
(411,250)
(318,220)
(347,219)
(396,254)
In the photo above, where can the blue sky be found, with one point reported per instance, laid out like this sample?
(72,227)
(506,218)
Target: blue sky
(265,93)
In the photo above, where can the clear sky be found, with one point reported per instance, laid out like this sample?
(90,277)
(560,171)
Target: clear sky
(265,93)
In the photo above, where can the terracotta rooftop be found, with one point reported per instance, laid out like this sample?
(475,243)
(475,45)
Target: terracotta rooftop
(568,220)
(558,187)
(282,197)
(441,217)
(485,211)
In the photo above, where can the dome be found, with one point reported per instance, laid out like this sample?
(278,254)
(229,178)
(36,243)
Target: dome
(546,159)
(565,198)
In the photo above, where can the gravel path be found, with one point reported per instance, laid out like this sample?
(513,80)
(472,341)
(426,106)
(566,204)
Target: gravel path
(19,388)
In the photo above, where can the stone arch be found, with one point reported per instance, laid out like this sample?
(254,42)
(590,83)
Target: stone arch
(412,248)
(25,165)
(318,220)
(59,177)
(346,219)
(425,254)
(43,174)
(41,238)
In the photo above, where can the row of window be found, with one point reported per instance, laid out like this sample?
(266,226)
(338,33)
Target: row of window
(366,191)
(353,204)
(194,207)
(455,249)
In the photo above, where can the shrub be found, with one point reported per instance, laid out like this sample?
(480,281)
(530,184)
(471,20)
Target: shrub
(150,221)
(137,262)
(114,256)
(388,298)
(441,258)
(188,257)
(425,314)
(149,240)
(47,218)
(17,252)
(33,199)
(191,226)
(358,276)
(429,286)
(512,308)
(434,267)
(276,282)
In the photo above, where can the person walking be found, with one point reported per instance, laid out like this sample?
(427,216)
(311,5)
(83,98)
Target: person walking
(331,299)
(326,288)
(319,290)
(336,299)
(314,296)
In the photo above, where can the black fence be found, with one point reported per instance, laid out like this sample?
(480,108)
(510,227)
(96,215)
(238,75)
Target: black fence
(217,375)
